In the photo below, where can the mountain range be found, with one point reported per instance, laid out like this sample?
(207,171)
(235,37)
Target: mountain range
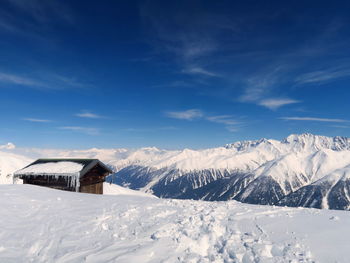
(301,170)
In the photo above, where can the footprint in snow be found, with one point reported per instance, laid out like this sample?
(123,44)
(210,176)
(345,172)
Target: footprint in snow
(335,218)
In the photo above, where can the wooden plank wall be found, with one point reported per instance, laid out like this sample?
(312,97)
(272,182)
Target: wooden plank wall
(92,188)
(60,183)
(92,182)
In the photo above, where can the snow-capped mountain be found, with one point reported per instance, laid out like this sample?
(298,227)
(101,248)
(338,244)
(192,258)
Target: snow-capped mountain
(300,170)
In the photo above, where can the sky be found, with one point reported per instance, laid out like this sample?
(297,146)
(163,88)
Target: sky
(171,74)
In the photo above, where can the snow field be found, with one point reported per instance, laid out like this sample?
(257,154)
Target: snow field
(45,225)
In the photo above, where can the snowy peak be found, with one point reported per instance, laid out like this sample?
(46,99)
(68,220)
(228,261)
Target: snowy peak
(316,142)
(246,145)
(296,142)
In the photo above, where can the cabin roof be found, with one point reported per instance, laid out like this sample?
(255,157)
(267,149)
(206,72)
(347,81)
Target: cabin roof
(61,166)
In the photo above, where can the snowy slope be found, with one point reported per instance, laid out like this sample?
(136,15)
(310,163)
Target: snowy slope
(113,189)
(9,163)
(45,225)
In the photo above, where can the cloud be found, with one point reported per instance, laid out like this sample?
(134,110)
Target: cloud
(36,120)
(230,123)
(8,146)
(42,12)
(153,129)
(224,119)
(42,80)
(18,80)
(185,115)
(199,71)
(176,31)
(252,94)
(313,119)
(275,103)
(322,76)
(232,128)
(260,87)
(194,48)
(175,84)
(190,35)
(70,81)
(261,83)
(34,20)
(341,126)
(210,44)
(89,115)
(85,130)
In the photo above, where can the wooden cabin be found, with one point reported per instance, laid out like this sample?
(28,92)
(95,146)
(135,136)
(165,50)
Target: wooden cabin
(79,175)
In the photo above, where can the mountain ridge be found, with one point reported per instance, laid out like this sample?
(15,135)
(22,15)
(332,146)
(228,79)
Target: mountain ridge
(264,171)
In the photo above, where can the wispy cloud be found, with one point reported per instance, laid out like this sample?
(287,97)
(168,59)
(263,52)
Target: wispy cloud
(42,11)
(191,38)
(230,123)
(252,94)
(275,103)
(253,64)
(260,87)
(260,84)
(314,119)
(341,126)
(34,20)
(323,76)
(232,128)
(85,130)
(257,95)
(68,81)
(19,80)
(36,16)
(36,120)
(38,80)
(185,115)
(175,84)
(224,119)
(199,71)
(187,44)
(154,129)
(89,115)
(193,48)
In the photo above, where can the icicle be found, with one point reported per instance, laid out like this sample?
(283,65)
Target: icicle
(77,182)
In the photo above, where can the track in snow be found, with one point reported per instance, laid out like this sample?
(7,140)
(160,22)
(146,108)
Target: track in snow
(44,225)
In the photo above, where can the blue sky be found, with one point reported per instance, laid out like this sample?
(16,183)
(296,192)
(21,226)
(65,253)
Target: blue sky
(171,74)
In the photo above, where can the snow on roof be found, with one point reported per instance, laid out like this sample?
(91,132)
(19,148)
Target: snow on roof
(64,168)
